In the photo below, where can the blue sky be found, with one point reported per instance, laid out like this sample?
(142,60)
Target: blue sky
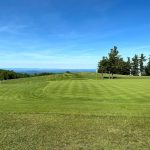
(71,33)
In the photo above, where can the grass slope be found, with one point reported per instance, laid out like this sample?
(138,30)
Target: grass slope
(75,111)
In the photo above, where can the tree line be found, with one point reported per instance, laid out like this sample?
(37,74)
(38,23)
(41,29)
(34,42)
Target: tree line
(115,64)
(7,74)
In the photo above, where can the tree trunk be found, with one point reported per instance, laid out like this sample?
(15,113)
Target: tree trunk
(109,74)
(112,76)
(102,75)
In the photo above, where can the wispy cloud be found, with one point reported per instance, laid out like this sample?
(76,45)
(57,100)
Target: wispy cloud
(47,61)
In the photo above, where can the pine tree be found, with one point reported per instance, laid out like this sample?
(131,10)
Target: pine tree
(135,65)
(103,66)
(147,68)
(141,63)
(129,66)
(112,64)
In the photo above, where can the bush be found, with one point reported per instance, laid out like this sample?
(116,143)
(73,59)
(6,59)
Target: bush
(6,75)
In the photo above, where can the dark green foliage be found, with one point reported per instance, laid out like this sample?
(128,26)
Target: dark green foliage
(129,65)
(103,65)
(68,72)
(141,63)
(124,68)
(147,68)
(114,64)
(135,64)
(6,75)
(43,74)
(114,61)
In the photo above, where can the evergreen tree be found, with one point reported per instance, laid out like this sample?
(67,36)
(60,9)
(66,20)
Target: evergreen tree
(141,63)
(113,61)
(128,68)
(103,66)
(147,68)
(135,65)
(112,64)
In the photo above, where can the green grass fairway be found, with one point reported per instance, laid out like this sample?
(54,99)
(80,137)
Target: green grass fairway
(74,112)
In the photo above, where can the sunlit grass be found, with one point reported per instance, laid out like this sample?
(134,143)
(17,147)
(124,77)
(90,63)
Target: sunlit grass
(75,111)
